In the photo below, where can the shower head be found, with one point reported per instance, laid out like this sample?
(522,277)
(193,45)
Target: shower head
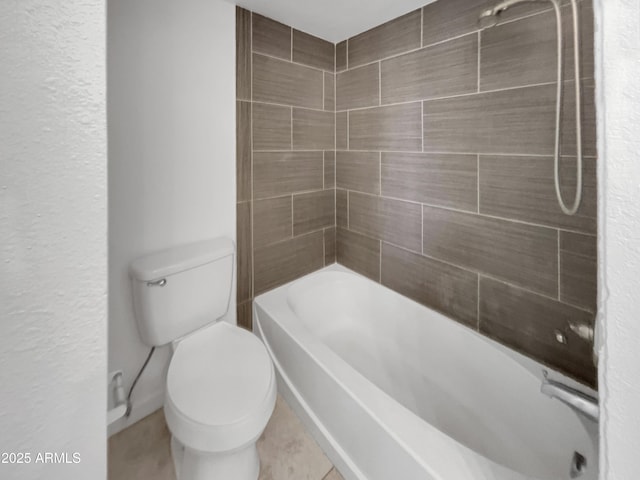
(491,16)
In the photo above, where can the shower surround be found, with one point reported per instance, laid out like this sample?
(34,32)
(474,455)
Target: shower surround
(285,162)
(444,173)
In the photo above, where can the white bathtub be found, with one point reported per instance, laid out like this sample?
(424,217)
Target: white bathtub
(393,390)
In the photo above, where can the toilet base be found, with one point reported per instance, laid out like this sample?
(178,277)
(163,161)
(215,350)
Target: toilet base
(243,464)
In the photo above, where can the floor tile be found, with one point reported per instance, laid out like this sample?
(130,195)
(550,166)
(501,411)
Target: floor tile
(287,451)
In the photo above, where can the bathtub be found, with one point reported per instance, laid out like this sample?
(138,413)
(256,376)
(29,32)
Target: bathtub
(393,390)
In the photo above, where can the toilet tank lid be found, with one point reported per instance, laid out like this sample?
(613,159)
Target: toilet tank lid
(180,258)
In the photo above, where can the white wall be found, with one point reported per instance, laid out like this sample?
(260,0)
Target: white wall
(618,97)
(171,116)
(53,231)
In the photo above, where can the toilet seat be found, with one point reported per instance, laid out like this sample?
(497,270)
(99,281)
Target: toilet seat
(221,389)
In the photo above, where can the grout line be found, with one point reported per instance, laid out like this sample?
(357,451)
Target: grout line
(380,176)
(311,67)
(324,107)
(288,106)
(292,235)
(379,83)
(422,229)
(348,223)
(347,129)
(324,169)
(380,263)
(291,131)
(458,95)
(478,73)
(346,54)
(478,303)
(478,184)
(422,125)
(251,209)
(291,53)
(559,284)
(421,27)
(417,152)
(297,150)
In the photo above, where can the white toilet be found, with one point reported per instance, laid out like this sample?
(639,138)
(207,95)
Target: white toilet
(221,387)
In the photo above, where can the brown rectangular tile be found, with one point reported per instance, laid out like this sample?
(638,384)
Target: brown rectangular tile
(578,270)
(245,315)
(527,322)
(277,81)
(313,51)
(396,36)
(313,130)
(272,220)
(578,280)
(271,127)
(271,37)
(517,121)
(394,127)
(523,52)
(358,171)
(451,18)
(329,169)
(449,180)
(579,244)
(525,255)
(342,208)
(393,221)
(450,290)
(342,130)
(359,253)
(358,87)
(313,211)
(523,188)
(449,68)
(243,150)
(588,114)
(341,56)
(282,173)
(285,261)
(243,54)
(244,250)
(329,92)
(329,246)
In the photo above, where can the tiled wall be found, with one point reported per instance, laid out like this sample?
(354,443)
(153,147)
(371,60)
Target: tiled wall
(285,155)
(444,173)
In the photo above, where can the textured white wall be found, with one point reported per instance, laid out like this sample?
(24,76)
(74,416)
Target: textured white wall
(171,115)
(53,222)
(618,97)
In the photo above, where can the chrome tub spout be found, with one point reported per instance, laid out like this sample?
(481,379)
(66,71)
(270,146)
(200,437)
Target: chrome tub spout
(578,401)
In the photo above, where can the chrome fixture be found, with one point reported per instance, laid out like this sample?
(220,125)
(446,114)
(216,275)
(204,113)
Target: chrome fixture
(158,283)
(490,18)
(584,331)
(560,337)
(575,399)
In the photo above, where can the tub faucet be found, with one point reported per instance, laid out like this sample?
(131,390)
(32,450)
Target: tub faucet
(578,401)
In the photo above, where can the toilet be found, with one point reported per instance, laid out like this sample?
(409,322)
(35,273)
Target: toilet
(221,387)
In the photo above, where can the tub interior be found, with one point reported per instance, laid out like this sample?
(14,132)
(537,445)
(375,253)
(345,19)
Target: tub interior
(443,372)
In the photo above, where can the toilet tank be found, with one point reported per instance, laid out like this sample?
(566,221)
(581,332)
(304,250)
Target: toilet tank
(180,290)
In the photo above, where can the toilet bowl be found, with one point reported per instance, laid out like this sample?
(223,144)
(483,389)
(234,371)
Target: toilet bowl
(221,392)
(221,386)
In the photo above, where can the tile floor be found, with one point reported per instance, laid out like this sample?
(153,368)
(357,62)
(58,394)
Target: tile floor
(287,451)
